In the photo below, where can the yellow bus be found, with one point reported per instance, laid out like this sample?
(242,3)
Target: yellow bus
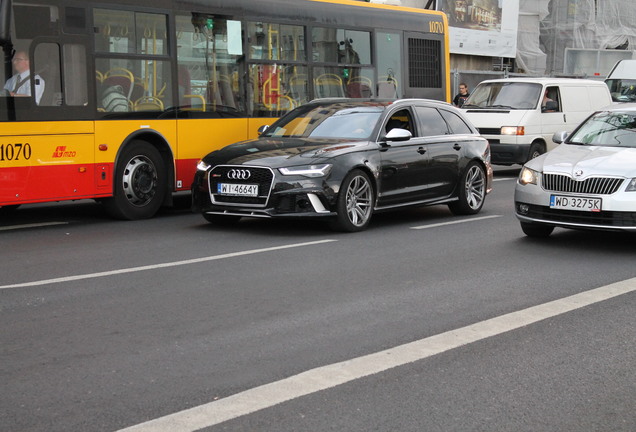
(117,100)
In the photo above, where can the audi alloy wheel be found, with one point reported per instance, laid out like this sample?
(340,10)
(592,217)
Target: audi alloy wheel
(472,191)
(355,202)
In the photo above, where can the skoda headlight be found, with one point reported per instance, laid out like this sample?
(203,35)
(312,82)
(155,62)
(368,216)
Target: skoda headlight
(631,187)
(202,166)
(528,176)
(307,170)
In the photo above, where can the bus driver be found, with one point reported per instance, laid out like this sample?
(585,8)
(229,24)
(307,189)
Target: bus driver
(20,83)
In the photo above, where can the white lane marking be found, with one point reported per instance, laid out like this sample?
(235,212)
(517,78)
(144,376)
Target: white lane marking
(325,377)
(163,265)
(455,222)
(38,225)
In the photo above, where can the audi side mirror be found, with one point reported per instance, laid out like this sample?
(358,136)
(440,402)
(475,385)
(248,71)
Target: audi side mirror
(263,129)
(398,134)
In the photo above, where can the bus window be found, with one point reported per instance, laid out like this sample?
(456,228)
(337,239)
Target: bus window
(350,50)
(278,71)
(341,46)
(276,42)
(75,75)
(389,63)
(73,92)
(209,50)
(46,64)
(133,85)
(275,89)
(125,83)
(127,32)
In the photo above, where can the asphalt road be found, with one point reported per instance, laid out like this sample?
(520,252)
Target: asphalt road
(424,322)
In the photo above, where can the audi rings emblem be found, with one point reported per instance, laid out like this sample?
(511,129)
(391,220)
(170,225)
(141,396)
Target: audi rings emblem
(239,174)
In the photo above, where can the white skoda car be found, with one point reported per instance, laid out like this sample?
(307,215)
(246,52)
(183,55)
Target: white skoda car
(587,182)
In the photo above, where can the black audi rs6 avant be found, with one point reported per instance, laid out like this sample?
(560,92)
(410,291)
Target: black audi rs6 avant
(342,160)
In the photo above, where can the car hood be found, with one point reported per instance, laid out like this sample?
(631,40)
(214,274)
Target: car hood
(495,118)
(590,160)
(279,152)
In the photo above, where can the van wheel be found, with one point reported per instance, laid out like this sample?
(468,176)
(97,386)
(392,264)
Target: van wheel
(536,150)
(140,183)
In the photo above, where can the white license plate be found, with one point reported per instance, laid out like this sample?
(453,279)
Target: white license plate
(575,203)
(237,189)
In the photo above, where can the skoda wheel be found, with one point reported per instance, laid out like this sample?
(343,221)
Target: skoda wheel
(140,183)
(472,191)
(355,202)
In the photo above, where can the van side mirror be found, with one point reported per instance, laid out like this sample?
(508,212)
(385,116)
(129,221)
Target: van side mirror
(263,129)
(559,137)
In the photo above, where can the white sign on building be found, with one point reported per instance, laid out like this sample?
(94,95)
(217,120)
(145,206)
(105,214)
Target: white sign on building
(482,27)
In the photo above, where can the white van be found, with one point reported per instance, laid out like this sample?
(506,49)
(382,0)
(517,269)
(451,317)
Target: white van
(518,116)
(622,81)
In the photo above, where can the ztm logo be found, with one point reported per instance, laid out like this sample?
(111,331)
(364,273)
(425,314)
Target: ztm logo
(60,152)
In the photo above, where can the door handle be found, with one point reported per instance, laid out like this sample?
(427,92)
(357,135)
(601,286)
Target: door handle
(421,150)
(457,147)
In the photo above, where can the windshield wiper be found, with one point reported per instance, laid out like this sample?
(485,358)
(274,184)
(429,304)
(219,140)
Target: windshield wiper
(499,106)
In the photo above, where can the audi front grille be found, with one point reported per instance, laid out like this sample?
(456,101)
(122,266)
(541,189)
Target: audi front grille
(592,185)
(242,175)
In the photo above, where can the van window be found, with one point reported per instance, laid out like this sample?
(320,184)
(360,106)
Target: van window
(551,95)
(506,95)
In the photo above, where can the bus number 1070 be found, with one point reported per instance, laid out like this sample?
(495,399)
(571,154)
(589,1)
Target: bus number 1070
(15,151)
(436,27)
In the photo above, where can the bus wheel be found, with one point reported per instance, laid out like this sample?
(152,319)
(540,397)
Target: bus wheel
(140,183)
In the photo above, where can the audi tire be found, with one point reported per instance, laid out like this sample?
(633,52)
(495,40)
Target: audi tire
(472,191)
(355,202)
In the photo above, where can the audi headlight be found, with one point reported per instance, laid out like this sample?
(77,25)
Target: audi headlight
(307,170)
(631,187)
(528,176)
(202,166)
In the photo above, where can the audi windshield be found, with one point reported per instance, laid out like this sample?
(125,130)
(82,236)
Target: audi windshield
(336,121)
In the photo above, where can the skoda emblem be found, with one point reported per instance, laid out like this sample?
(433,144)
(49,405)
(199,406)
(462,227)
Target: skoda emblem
(238,174)
(578,173)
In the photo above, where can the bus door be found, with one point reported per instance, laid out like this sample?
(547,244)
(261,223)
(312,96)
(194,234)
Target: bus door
(54,159)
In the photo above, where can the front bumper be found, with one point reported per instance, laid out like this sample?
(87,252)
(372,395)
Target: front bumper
(285,197)
(508,154)
(532,205)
